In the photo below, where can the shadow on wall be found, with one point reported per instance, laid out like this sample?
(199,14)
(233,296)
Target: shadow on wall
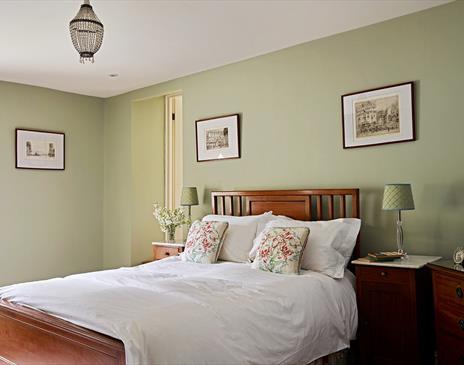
(451,197)
(374,223)
(417,107)
(205,201)
(207,195)
(439,210)
(442,207)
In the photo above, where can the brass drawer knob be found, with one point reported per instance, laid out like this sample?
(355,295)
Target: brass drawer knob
(383,273)
(459,293)
(461,324)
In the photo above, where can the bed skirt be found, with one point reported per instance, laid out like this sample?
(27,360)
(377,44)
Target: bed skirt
(337,358)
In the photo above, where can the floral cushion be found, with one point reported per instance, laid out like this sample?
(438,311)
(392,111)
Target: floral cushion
(204,242)
(281,249)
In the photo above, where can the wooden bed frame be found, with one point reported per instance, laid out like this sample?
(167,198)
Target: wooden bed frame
(304,205)
(29,336)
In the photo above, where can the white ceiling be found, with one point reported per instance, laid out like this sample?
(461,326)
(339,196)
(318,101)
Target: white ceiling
(147,42)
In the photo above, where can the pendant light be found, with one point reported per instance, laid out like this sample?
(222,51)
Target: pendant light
(86,32)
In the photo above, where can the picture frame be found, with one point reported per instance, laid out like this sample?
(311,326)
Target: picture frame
(379,116)
(39,149)
(218,138)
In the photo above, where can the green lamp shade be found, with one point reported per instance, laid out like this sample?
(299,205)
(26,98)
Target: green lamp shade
(189,196)
(397,197)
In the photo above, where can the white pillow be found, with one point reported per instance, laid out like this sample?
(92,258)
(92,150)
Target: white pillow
(261,227)
(350,239)
(238,239)
(329,246)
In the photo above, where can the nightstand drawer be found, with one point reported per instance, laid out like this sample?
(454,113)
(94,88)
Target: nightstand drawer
(383,274)
(450,350)
(160,252)
(448,284)
(449,289)
(451,320)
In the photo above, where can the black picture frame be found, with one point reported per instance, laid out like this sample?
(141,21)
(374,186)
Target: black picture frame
(55,137)
(232,151)
(406,110)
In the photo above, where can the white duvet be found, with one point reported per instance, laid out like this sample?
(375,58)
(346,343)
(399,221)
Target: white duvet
(174,312)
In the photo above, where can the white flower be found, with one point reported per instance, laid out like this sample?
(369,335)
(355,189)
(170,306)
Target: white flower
(169,218)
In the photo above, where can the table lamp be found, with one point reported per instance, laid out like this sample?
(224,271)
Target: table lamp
(189,197)
(398,197)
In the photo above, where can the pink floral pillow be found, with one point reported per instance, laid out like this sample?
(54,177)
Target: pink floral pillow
(281,249)
(204,242)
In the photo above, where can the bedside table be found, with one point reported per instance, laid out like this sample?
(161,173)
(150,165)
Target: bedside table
(395,311)
(448,287)
(162,250)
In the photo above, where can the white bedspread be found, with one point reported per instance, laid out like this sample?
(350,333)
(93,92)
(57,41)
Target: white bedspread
(173,312)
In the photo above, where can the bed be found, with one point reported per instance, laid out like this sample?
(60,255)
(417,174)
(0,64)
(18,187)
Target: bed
(29,334)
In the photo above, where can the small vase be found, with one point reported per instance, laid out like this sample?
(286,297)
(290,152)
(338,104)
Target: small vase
(171,233)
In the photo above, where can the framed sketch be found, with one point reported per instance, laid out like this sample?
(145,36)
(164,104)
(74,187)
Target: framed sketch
(218,138)
(378,116)
(41,150)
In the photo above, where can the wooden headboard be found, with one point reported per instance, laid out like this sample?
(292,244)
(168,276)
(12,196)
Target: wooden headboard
(306,205)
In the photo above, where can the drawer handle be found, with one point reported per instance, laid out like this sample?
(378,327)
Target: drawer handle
(384,273)
(167,253)
(459,293)
(461,324)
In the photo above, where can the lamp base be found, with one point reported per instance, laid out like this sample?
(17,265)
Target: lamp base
(399,235)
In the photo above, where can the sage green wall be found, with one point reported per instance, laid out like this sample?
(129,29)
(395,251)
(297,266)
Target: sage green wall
(147,174)
(291,128)
(117,206)
(50,221)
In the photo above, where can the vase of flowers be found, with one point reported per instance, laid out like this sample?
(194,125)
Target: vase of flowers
(169,220)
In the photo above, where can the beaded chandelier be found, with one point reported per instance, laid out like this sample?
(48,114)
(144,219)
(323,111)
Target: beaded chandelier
(86,32)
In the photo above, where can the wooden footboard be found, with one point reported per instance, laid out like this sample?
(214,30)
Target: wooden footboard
(31,337)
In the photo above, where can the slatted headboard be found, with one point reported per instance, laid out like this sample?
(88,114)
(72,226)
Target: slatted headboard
(306,205)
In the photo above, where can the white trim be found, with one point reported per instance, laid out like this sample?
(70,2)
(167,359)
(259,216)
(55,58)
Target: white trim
(173,164)
(169,93)
(410,262)
(168,244)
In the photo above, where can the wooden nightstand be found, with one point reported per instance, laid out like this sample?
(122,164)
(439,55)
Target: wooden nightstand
(162,250)
(395,311)
(448,287)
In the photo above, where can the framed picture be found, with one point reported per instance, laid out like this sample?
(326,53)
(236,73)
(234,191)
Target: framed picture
(218,138)
(41,150)
(378,116)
